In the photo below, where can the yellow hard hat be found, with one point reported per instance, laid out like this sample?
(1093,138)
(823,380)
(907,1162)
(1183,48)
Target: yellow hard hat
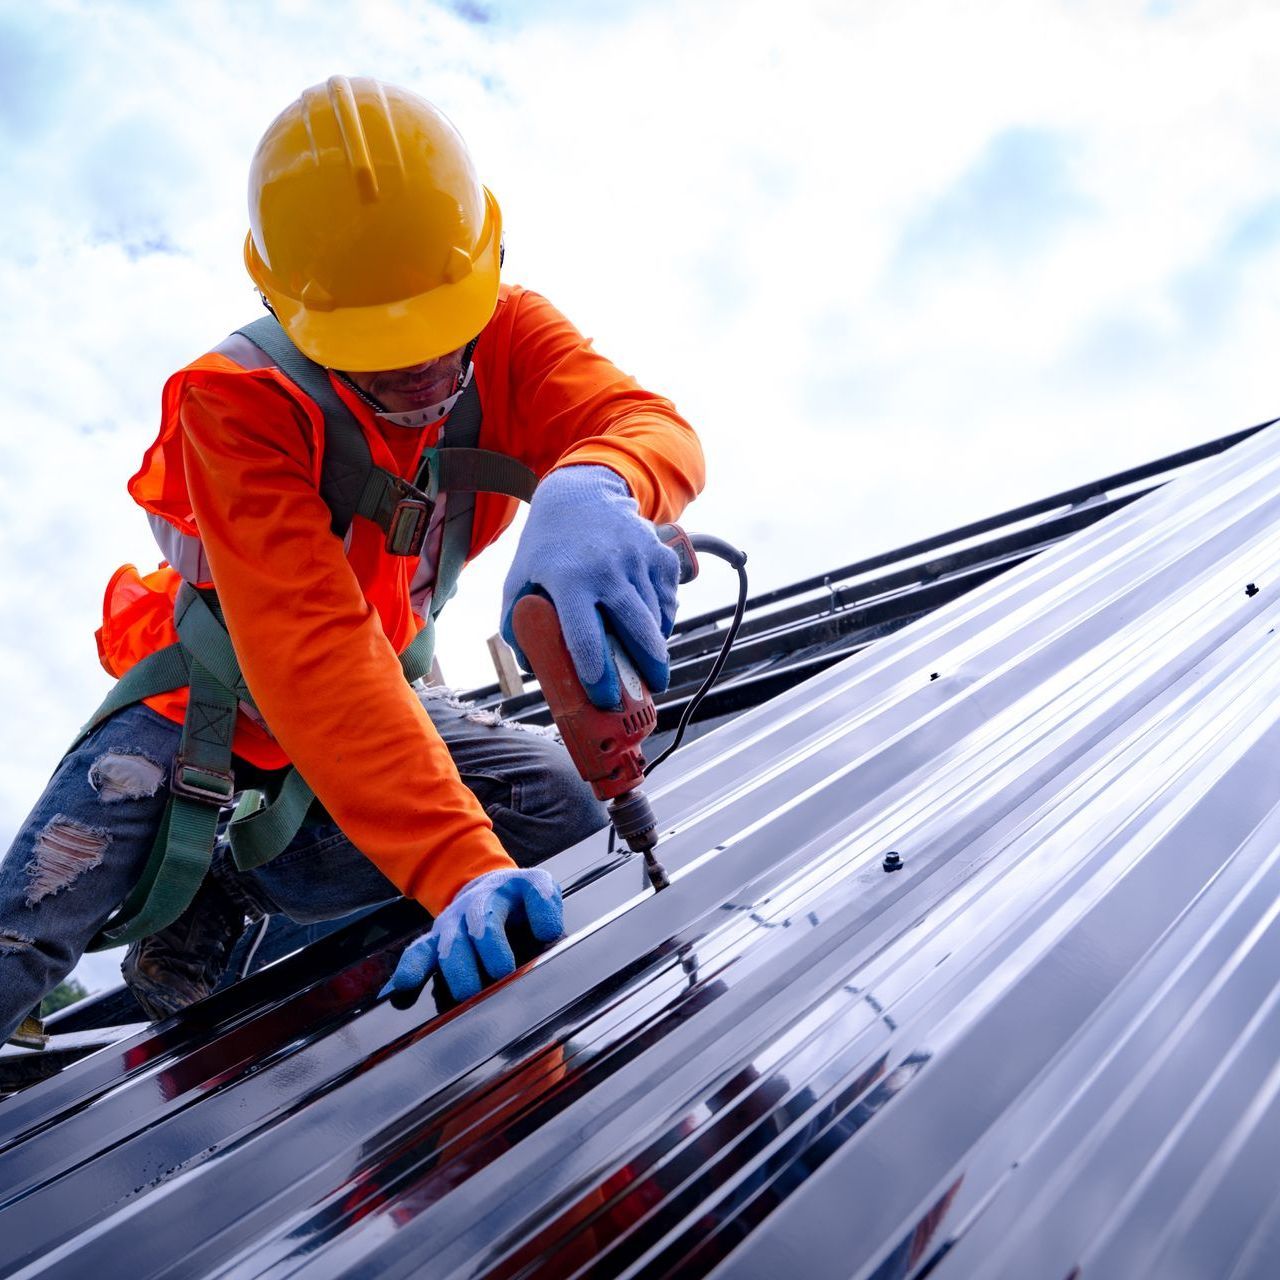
(370,235)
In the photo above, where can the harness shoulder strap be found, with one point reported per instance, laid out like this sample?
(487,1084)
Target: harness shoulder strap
(351,484)
(455,542)
(347,462)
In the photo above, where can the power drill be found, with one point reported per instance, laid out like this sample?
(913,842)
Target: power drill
(604,745)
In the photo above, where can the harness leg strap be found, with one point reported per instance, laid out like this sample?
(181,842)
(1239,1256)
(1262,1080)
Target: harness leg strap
(201,782)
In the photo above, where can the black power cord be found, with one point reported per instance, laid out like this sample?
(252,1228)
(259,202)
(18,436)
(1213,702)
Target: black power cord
(708,545)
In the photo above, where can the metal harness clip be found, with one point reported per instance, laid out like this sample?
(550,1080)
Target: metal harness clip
(195,782)
(409,519)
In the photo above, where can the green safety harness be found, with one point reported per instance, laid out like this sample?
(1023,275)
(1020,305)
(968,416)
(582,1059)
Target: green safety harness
(202,781)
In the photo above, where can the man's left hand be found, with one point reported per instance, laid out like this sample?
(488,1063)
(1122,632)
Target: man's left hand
(469,937)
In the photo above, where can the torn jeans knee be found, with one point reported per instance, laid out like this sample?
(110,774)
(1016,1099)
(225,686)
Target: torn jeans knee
(79,852)
(442,695)
(13,943)
(125,775)
(64,850)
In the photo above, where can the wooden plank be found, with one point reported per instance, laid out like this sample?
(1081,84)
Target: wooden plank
(510,680)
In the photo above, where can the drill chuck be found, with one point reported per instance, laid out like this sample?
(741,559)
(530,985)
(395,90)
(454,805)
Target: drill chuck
(633,820)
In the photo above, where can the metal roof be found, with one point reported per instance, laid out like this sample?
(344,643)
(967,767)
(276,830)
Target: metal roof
(801,629)
(1045,1045)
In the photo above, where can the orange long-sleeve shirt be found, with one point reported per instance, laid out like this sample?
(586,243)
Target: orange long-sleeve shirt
(317,628)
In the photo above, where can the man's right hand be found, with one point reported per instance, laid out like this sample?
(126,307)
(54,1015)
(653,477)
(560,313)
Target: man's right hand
(469,937)
(586,547)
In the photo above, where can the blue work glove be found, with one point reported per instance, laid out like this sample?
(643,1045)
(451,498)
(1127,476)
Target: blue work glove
(472,932)
(586,547)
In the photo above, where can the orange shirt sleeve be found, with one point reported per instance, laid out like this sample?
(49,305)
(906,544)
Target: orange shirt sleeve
(313,651)
(575,406)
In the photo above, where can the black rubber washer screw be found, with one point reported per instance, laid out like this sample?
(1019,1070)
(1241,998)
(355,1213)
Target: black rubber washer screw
(892,862)
(1251,589)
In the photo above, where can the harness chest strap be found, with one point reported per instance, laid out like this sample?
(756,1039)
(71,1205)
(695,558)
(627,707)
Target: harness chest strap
(203,658)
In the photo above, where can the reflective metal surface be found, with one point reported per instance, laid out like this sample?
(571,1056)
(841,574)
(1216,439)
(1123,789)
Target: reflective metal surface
(1044,1046)
(797,631)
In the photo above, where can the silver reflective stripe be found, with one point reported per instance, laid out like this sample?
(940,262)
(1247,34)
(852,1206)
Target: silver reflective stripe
(248,355)
(251,713)
(184,551)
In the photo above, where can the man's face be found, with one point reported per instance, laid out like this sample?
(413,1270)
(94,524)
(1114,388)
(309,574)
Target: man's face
(416,387)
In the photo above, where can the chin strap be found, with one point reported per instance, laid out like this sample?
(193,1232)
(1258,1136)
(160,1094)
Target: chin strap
(432,412)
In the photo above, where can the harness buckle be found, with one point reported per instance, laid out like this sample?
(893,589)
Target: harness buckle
(195,782)
(408,522)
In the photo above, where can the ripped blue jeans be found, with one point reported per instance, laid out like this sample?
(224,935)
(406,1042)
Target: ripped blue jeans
(87,839)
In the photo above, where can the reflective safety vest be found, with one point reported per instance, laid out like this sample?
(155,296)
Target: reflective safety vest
(429,518)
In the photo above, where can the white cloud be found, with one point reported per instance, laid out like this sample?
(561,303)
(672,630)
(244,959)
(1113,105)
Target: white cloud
(759,214)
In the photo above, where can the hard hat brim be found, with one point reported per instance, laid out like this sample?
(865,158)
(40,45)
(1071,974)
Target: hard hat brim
(394,335)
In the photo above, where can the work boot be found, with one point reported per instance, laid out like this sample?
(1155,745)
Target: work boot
(168,970)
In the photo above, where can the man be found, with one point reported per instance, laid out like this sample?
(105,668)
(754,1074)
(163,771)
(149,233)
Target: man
(313,514)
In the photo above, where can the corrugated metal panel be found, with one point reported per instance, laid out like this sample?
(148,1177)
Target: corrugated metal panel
(1048,1042)
(796,631)
(788,634)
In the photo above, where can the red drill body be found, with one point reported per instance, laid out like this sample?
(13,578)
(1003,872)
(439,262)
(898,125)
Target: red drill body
(604,745)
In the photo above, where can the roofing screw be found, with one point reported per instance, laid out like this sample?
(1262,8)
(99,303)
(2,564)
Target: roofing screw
(933,675)
(892,862)
(1251,589)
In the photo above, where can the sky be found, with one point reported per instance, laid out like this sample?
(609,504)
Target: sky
(902,263)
